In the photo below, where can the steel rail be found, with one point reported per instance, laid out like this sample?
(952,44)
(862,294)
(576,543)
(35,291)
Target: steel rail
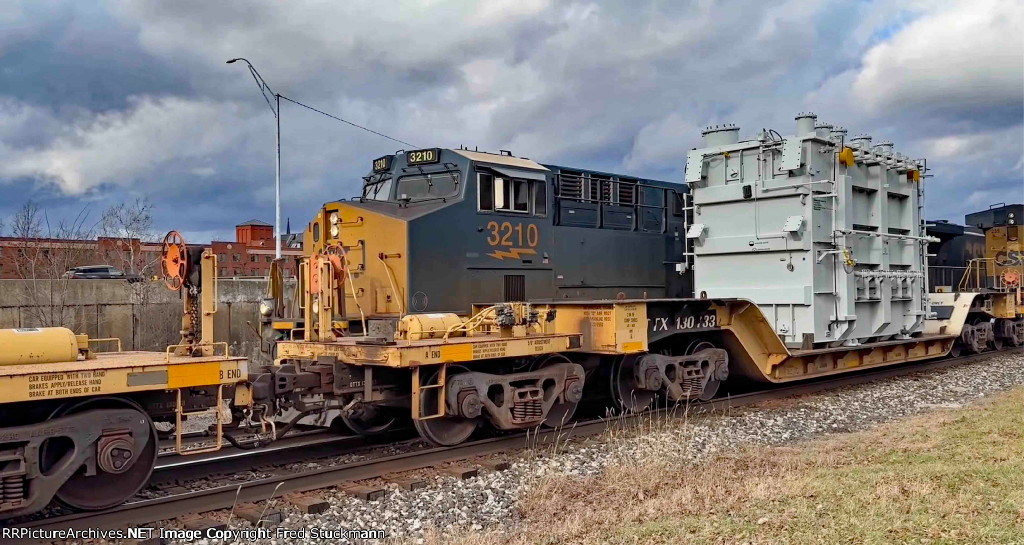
(224,497)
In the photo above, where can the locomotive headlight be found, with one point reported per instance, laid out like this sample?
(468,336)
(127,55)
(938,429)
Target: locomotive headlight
(316,305)
(335,231)
(333,218)
(266,306)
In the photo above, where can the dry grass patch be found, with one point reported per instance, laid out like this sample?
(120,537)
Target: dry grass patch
(952,476)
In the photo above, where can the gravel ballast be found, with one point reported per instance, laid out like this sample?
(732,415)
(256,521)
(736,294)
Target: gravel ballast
(488,500)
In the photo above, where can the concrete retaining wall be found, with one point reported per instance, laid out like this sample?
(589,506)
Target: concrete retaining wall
(145,316)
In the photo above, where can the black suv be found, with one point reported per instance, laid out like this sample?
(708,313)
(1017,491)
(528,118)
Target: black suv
(101,272)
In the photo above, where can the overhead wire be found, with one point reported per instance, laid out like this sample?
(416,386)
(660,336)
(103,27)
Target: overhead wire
(346,121)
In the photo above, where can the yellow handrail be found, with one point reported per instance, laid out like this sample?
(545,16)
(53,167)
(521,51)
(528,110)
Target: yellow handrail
(106,339)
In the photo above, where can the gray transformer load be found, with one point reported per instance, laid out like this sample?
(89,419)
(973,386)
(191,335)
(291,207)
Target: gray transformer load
(824,234)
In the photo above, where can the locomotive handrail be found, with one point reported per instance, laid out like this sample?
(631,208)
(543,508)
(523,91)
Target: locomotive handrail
(392,282)
(106,339)
(171,349)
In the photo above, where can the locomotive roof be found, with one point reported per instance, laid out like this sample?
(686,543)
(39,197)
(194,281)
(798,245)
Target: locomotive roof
(506,160)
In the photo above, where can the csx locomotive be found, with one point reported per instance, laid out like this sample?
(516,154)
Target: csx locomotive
(438,230)
(984,259)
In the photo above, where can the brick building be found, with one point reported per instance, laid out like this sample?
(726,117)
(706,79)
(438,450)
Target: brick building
(252,251)
(249,255)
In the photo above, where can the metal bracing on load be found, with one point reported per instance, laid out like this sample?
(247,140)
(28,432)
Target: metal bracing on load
(823,233)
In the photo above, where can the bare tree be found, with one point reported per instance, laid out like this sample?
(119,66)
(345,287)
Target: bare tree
(128,225)
(44,252)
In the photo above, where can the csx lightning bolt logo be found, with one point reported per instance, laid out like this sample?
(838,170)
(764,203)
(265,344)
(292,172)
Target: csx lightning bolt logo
(512,241)
(514,253)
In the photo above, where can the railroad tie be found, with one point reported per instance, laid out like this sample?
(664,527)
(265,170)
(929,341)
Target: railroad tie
(308,504)
(363,492)
(494,465)
(259,515)
(202,524)
(408,483)
(460,472)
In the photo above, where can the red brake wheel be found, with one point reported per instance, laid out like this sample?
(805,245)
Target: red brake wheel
(174,260)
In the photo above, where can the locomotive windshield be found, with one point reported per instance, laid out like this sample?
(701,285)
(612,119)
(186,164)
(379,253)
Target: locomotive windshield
(419,187)
(378,188)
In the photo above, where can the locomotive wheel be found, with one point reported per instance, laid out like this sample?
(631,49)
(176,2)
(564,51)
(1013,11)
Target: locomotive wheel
(370,420)
(1018,338)
(956,349)
(445,431)
(627,397)
(103,490)
(712,386)
(560,413)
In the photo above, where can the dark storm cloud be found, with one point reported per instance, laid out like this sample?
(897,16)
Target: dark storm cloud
(103,103)
(62,55)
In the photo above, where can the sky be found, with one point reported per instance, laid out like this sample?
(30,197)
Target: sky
(106,102)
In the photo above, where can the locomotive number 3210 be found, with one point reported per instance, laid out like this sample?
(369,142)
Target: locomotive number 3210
(506,234)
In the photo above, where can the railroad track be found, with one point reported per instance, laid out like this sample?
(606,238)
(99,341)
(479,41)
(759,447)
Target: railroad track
(223,497)
(288,450)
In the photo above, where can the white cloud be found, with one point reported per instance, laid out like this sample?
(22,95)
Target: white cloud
(663,141)
(960,55)
(610,85)
(115,147)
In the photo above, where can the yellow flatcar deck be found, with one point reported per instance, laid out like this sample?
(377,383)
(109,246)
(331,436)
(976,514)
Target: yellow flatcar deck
(356,350)
(117,373)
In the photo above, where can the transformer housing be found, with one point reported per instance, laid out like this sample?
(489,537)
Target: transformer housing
(823,233)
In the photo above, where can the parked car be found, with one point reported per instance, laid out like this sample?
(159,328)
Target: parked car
(101,272)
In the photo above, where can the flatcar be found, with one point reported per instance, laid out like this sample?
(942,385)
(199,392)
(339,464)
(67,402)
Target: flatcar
(78,417)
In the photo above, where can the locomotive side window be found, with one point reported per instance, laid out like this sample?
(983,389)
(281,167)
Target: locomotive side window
(501,200)
(485,192)
(540,199)
(521,196)
(499,194)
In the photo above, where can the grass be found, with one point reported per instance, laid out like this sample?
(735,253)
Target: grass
(951,476)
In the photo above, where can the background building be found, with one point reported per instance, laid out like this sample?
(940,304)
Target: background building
(249,255)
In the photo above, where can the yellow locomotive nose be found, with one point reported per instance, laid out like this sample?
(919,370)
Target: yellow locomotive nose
(371,249)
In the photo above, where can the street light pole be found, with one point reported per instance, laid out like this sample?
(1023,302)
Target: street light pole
(277,183)
(276,108)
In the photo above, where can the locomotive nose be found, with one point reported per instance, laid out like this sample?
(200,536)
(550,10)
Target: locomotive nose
(374,247)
